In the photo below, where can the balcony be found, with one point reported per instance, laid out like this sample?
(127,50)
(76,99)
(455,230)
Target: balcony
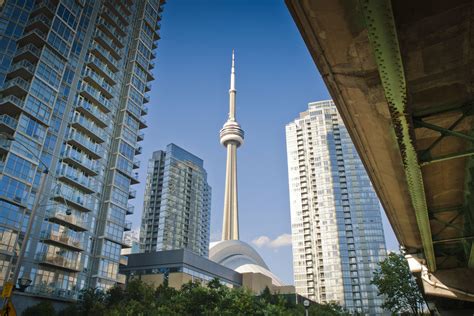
(24,69)
(58,261)
(127,226)
(35,37)
(101,67)
(118,12)
(144,110)
(142,123)
(45,7)
(80,141)
(151,65)
(121,278)
(41,22)
(108,43)
(134,178)
(99,83)
(18,87)
(148,88)
(70,221)
(111,31)
(136,163)
(92,112)
(146,98)
(29,52)
(77,179)
(132,194)
(140,136)
(48,290)
(88,127)
(77,200)
(123,260)
(5,145)
(95,97)
(62,240)
(8,124)
(130,210)
(80,161)
(113,18)
(138,150)
(106,57)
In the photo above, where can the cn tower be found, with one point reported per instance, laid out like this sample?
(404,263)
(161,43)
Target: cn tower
(231,136)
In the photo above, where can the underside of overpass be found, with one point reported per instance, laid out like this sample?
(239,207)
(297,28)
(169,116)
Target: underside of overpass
(401,74)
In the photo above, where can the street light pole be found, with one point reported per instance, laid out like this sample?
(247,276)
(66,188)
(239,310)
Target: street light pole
(36,204)
(21,254)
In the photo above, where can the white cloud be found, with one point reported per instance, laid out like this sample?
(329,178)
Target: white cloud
(281,241)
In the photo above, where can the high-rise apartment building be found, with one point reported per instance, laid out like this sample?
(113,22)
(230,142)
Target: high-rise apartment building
(337,230)
(177,203)
(73,82)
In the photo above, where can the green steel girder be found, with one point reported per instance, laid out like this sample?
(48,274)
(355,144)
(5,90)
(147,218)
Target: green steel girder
(447,224)
(442,130)
(384,42)
(429,160)
(466,109)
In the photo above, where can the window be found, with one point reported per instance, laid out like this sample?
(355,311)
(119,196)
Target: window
(19,167)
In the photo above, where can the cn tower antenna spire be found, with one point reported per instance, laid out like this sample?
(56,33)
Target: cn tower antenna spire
(231,137)
(232,91)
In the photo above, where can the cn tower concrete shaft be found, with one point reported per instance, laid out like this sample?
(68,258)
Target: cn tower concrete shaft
(231,136)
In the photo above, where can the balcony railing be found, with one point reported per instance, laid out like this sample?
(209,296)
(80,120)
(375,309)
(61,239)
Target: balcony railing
(136,163)
(71,221)
(29,50)
(45,6)
(130,210)
(127,226)
(8,121)
(35,36)
(89,166)
(82,202)
(123,260)
(108,58)
(96,133)
(100,66)
(94,150)
(138,150)
(45,289)
(63,240)
(23,68)
(113,48)
(109,28)
(96,97)
(40,21)
(142,122)
(17,86)
(5,144)
(77,178)
(132,194)
(121,278)
(100,83)
(134,177)
(58,261)
(113,17)
(91,110)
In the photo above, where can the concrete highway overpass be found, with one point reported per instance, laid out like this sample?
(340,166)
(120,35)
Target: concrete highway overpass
(401,74)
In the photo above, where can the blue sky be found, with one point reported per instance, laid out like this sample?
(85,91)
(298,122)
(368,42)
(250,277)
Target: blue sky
(276,79)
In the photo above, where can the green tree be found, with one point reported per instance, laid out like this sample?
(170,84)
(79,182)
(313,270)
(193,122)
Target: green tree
(44,308)
(398,286)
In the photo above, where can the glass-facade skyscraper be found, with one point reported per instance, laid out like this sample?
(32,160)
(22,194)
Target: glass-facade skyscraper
(73,82)
(337,233)
(177,203)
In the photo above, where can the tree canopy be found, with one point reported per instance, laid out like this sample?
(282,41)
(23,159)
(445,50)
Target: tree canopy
(141,299)
(398,286)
